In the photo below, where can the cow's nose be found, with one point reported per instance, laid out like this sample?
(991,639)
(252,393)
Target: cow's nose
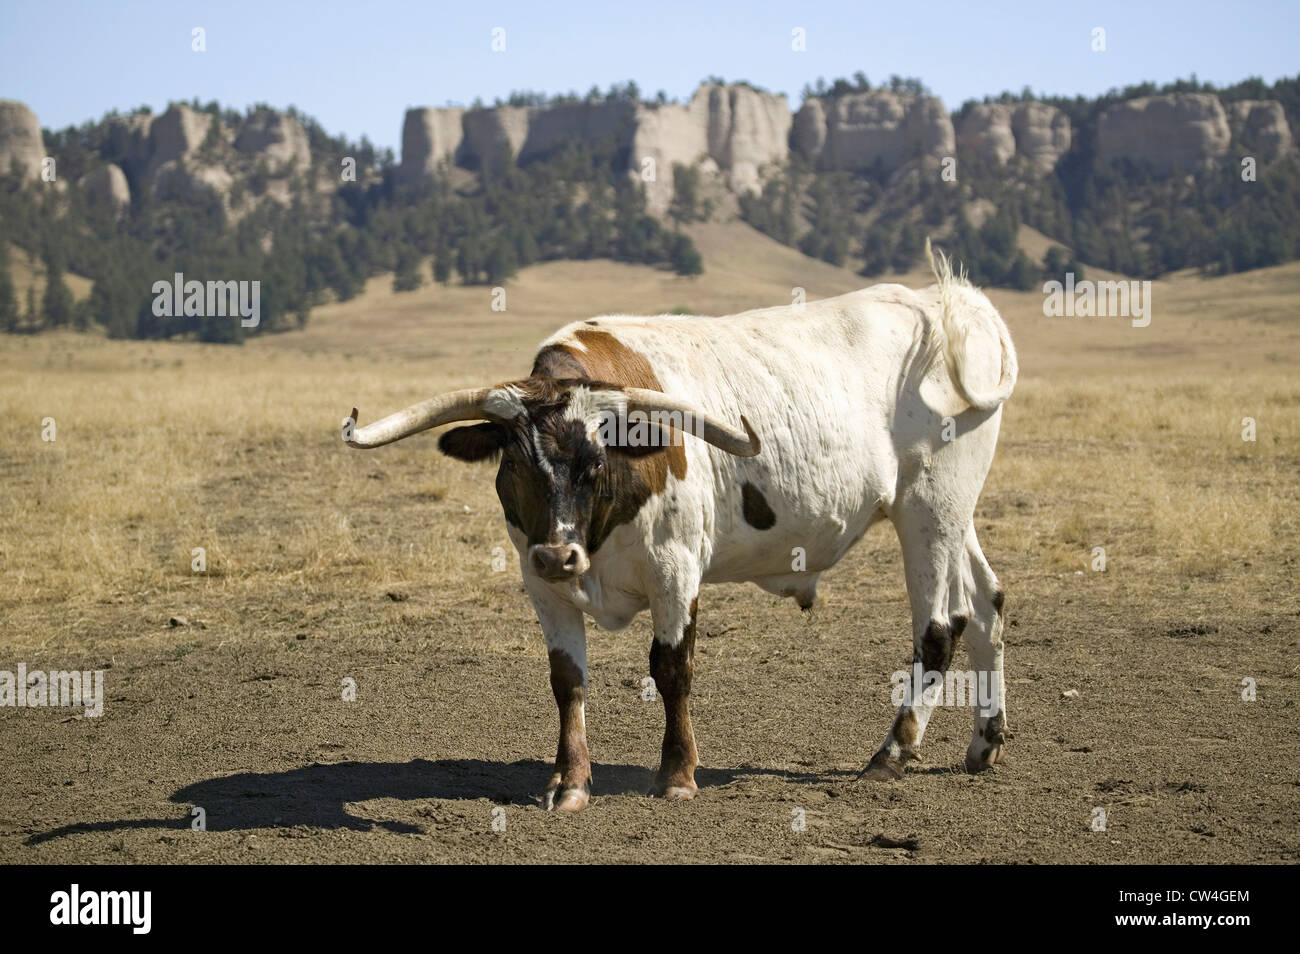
(564,562)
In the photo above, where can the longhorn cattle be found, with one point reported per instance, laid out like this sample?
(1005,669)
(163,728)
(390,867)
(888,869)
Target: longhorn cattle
(646,456)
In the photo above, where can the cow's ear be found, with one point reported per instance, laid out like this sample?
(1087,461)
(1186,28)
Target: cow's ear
(474,443)
(654,440)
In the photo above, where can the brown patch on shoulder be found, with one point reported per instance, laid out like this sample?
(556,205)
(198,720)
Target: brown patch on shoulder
(754,508)
(608,360)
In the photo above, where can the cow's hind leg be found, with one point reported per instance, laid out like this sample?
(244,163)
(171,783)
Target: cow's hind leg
(672,664)
(933,562)
(566,647)
(984,645)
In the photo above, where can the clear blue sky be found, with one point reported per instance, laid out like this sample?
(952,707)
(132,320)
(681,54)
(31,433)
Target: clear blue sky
(356,66)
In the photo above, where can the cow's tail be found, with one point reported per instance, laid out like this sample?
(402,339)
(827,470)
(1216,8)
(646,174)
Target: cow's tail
(961,305)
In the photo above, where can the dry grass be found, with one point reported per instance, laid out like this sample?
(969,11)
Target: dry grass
(1121,438)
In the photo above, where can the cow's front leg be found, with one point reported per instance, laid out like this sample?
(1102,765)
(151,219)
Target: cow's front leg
(570,786)
(672,664)
(566,644)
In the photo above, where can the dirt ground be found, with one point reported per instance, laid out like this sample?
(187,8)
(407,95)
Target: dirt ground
(326,565)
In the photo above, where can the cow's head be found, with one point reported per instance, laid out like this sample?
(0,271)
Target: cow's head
(577,457)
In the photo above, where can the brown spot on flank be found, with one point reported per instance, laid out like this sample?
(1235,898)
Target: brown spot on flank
(754,508)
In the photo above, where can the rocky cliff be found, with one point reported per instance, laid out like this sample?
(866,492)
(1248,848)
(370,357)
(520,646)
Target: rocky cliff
(276,138)
(741,129)
(178,152)
(858,130)
(1261,127)
(20,138)
(107,185)
(1175,130)
(998,131)
(734,134)
(430,137)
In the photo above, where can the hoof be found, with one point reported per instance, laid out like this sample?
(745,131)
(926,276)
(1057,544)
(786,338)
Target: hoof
(881,772)
(984,759)
(566,799)
(882,768)
(674,791)
(679,793)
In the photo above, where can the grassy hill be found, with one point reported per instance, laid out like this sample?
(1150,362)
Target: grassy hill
(28,270)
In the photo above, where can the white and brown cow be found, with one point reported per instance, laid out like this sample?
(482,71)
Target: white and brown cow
(883,403)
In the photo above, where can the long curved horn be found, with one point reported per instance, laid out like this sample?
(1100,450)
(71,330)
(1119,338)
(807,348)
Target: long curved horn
(694,421)
(466,405)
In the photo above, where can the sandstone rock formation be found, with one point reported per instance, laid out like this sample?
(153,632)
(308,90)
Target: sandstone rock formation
(735,130)
(809,135)
(177,134)
(747,130)
(174,167)
(1176,130)
(20,138)
(430,136)
(492,136)
(107,185)
(549,129)
(986,131)
(741,129)
(277,138)
(878,126)
(674,133)
(1042,134)
(998,131)
(182,178)
(486,137)
(1260,126)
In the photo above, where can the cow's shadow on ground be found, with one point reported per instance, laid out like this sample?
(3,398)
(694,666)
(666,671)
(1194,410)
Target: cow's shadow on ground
(318,796)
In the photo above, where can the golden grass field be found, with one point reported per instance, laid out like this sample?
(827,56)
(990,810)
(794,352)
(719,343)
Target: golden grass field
(324,563)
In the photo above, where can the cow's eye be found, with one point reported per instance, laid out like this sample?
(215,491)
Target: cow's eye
(594,469)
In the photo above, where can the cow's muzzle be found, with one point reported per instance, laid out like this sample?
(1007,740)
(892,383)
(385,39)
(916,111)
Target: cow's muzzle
(568,561)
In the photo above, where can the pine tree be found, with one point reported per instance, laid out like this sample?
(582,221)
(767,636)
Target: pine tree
(877,249)
(8,298)
(501,261)
(56,303)
(442,262)
(685,257)
(686,194)
(407,275)
(907,248)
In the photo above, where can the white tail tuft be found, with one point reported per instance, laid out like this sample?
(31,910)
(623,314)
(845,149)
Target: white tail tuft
(949,335)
